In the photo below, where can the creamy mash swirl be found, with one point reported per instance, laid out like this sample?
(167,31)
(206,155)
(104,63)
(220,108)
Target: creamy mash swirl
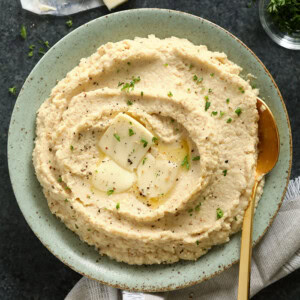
(147,150)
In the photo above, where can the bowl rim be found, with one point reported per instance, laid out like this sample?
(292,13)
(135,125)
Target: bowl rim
(223,268)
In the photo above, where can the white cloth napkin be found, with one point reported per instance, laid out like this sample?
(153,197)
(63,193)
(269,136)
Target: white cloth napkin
(277,255)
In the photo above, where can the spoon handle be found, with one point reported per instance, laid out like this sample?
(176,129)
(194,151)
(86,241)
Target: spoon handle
(246,248)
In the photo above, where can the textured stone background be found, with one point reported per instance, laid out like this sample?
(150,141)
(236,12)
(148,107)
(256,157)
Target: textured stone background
(27,269)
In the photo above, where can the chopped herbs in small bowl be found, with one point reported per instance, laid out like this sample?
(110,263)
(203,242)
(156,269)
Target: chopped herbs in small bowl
(281,21)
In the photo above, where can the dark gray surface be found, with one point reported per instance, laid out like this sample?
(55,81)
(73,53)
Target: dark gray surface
(27,269)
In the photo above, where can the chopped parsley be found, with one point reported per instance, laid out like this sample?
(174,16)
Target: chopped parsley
(197,207)
(238,111)
(142,93)
(214,113)
(120,83)
(241,90)
(117,137)
(210,90)
(144,160)
(219,213)
(191,67)
(198,80)
(130,86)
(170,94)
(23,32)
(229,120)
(118,205)
(46,43)
(196,158)
(206,98)
(227,100)
(71,148)
(69,23)
(30,53)
(42,51)
(222,113)
(197,243)
(212,74)
(131,132)
(128,63)
(13,90)
(145,143)
(207,105)
(59,179)
(166,64)
(155,139)
(190,210)
(129,102)
(66,200)
(110,192)
(185,162)
(224,172)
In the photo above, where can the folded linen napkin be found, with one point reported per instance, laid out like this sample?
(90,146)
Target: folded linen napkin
(277,255)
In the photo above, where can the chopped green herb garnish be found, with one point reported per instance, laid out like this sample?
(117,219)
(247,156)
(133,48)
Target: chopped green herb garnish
(207,105)
(128,63)
(214,113)
(117,137)
(199,80)
(131,132)
(145,143)
(42,51)
(110,192)
(30,53)
(206,98)
(224,172)
(285,14)
(13,90)
(155,139)
(23,32)
(241,90)
(191,67)
(229,120)
(118,205)
(185,162)
(71,148)
(227,100)
(170,94)
(46,43)
(212,74)
(129,102)
(59,179)
(120,83)
(235,218)
(31,47)
(166,64)
(210,90)
(197,243)
(69,23)
(144,160)
(130,86)
(196,158)
(66,200)
(197,207)
(142,93)
(190,210)
(195,77)
(219,213)
(222,113)
(238,111)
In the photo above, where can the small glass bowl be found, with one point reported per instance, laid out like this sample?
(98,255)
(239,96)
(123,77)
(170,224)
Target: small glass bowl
(289,41)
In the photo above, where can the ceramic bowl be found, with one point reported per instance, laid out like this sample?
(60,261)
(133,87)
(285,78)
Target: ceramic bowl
(63,57)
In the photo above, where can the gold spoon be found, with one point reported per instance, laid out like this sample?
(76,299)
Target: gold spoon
(268,152)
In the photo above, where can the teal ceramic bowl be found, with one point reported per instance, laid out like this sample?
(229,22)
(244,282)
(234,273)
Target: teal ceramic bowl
(64,56)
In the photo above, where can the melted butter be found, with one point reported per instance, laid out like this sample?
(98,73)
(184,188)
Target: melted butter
(174,152)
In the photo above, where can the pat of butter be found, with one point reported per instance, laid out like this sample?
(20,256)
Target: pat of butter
(126,141)
(155,176)
(110,176)
(113,3)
